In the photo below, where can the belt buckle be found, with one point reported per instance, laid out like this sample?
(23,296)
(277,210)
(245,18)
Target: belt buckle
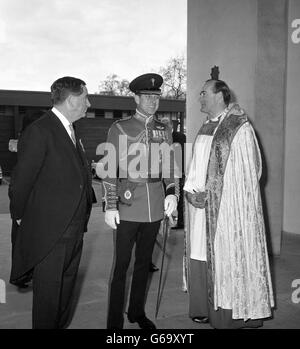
(127,194)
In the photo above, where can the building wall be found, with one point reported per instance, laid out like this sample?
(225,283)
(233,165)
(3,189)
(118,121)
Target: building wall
(246,40)
(7,159)
(19,108)
(222,33)
(270,91)
(291,220)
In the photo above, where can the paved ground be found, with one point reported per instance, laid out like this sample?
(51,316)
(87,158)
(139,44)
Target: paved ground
(4,203)
(94,275)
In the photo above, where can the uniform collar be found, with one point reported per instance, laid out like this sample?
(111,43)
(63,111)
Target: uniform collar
(142,117)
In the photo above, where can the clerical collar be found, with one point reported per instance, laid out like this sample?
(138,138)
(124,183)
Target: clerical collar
(141,116)
(210,126)
(218,117)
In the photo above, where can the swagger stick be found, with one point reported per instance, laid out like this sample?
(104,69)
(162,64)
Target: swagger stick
(165,235)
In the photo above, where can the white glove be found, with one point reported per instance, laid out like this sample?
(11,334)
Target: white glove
(112,218)
(170,204)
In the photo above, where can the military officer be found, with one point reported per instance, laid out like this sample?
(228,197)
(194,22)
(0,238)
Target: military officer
(134,198)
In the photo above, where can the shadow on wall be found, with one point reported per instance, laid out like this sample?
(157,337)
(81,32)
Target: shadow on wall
(263,183)
(233,98)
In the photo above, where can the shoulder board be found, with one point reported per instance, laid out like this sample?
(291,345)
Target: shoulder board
(119,121)
(124,119)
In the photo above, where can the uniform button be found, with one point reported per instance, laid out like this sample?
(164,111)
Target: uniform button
(80,186)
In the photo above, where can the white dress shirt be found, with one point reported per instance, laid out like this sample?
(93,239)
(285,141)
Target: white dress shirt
(66,123)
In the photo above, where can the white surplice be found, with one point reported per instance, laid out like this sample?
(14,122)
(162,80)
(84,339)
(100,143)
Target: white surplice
(195,181)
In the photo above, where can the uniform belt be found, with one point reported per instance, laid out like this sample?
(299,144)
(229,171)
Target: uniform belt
(143,180)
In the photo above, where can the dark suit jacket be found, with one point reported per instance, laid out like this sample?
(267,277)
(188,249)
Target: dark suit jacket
(45,190)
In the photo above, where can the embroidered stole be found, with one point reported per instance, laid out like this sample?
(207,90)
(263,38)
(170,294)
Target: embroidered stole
(219,154)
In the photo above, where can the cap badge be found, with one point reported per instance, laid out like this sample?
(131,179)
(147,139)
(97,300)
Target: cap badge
(153,81)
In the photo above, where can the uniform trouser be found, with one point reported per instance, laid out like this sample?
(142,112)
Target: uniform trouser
(54,280)
(144,236)
(200,306)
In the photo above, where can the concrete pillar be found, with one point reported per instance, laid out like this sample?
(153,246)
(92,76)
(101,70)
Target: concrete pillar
(247,40)
(270,90)
(291,220)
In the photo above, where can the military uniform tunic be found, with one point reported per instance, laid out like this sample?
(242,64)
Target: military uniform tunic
(141,169)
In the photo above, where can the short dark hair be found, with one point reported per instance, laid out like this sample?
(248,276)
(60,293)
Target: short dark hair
(63,87)
(221,86)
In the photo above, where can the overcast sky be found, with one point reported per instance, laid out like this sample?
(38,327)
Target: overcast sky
(42,40)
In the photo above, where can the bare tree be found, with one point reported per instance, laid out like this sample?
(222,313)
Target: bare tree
(113,86)
(174,74)
(174,86)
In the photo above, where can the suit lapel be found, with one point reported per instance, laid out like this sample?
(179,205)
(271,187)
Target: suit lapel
(82,155)
(65,139)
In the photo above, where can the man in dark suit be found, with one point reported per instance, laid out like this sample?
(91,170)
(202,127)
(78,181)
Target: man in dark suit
(50,202)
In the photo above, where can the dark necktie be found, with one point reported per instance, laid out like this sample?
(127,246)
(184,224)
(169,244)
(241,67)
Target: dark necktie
(72,134)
